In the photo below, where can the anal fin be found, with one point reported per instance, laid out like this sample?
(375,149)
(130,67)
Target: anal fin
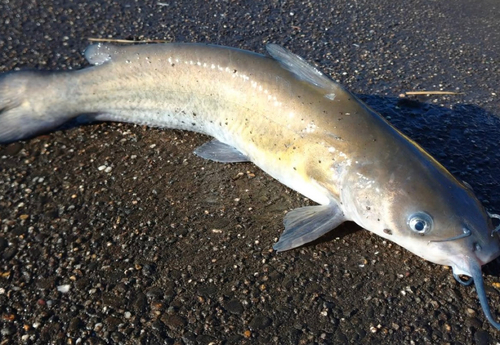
(220,152)
(306,224)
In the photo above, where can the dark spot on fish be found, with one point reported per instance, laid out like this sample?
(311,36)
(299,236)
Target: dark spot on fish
(319,161)
(234,71)
(194,114)
(192,123)
(368,208)
(378,219)
(294,168)
(388,231)
(172,65)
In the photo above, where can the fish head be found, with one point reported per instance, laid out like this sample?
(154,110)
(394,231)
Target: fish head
(418,204)
(446,225)
(415,202)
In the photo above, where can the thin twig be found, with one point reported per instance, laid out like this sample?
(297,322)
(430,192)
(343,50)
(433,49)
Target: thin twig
(410,93)
(114,40)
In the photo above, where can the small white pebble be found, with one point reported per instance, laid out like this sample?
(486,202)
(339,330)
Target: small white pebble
(108,169)
(101,168)
(127,314)
(64,288)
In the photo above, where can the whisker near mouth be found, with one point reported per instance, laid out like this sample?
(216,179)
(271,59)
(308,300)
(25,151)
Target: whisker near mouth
(477,277)
(462,281)
(495,216)
(466,233)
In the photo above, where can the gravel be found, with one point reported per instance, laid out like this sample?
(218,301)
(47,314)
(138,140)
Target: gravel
(114,233)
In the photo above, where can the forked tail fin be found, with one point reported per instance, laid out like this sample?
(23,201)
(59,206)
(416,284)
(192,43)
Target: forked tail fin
(30,103)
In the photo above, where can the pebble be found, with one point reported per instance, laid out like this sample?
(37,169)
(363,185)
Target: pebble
(482,338)
(75,324)
(3,243)
(8,329)
(174,321)
(259,322)
(64,288)
(9,253)
(234,306)
(154,292)
(140,303)
(471,312)
(112,323)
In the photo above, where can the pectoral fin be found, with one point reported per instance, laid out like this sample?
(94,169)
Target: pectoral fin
(306,224)
(220,152)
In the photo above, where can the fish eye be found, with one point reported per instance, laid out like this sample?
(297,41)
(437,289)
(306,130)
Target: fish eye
(420,222)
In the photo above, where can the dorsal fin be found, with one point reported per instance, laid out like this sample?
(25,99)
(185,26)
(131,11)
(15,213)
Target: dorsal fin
(301,68)
(97,54)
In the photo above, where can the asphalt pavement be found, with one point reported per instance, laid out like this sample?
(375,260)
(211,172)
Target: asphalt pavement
(115,233)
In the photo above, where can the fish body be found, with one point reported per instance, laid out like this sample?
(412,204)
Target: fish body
(288,118)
